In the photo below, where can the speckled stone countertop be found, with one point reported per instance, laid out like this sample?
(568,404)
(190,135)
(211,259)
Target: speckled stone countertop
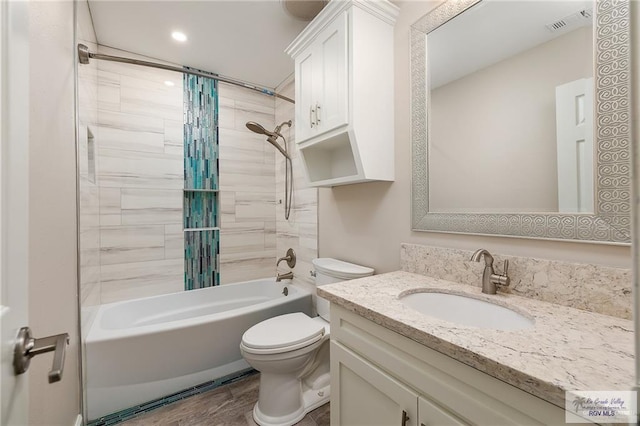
(567,348)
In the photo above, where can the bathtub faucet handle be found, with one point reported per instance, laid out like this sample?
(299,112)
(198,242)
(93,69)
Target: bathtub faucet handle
(290,258)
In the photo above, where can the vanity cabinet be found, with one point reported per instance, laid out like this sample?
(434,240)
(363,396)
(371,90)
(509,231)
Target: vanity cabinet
(379,377)
(344,116)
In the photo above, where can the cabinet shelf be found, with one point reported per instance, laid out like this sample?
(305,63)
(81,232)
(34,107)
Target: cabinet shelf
(200,229)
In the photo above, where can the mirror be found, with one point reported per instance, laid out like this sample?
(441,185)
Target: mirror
(521,121)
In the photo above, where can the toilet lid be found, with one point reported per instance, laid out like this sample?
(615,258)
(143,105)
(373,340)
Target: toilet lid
(285,331)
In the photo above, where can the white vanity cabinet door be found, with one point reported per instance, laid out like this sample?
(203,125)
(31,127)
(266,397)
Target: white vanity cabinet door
(321,82)
(429,414)
(366,395)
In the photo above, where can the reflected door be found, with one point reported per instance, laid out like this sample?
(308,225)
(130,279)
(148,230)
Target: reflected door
(574,130)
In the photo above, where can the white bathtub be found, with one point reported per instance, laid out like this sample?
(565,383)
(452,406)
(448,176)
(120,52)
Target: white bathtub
(144,349)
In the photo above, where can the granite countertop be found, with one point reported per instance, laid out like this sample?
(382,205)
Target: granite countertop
(567,348)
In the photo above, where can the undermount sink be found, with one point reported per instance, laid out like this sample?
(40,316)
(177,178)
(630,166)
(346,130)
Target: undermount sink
(466,311)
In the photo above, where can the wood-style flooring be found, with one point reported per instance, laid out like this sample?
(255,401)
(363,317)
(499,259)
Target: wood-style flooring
(229,405)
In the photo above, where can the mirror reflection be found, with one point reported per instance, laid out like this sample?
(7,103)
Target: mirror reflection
(510,117)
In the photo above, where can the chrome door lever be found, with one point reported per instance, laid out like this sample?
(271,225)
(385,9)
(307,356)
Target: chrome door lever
(27,347)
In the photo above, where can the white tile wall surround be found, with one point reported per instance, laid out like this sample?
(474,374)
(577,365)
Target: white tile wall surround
(600,289)
(300,232)
(140,175)
(89,221)
(247,186)
(136,209)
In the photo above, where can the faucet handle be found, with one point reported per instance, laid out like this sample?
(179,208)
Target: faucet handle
(503,279)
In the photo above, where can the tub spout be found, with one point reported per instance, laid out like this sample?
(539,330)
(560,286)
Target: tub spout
(287,276)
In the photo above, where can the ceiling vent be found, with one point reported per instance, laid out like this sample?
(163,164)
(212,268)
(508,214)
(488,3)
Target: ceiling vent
(578,19)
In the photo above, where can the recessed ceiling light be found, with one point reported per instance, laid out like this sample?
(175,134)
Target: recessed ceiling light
(169,83)
(178,36)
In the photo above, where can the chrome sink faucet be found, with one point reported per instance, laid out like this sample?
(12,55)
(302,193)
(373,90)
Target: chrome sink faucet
(490,280)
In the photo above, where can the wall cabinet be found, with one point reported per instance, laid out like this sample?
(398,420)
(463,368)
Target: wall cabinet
(379,377)
(344,93)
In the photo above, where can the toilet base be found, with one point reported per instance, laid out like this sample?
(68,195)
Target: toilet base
(311,399)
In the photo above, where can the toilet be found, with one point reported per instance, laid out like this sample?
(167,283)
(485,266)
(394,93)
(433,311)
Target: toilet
(292,354)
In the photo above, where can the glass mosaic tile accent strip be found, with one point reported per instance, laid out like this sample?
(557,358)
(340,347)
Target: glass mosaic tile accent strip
(201,172)
(200,132)
(200,210)
(135,411)
(201,250)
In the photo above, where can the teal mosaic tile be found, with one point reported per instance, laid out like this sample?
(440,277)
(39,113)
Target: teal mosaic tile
(201,173)
(201,250)
(200,210)
(201,162)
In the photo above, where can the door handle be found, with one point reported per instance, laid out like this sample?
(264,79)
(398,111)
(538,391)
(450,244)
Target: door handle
(405,418)
(311,112)
(27,347)
(317,114)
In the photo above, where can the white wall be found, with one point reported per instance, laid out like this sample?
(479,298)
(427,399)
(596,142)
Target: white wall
(366,223)
(53,298)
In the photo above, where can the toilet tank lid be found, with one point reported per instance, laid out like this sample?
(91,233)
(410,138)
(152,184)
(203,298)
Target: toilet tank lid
(339,269)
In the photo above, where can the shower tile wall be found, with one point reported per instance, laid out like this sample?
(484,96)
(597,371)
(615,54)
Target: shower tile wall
(89,207)
(300,232)
(247,187)
(140,176)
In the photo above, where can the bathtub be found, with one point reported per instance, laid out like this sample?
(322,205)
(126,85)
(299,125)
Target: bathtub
(143,349)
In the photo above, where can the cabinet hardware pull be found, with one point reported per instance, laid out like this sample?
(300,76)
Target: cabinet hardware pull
(311,112)
(405,418)
(317,114)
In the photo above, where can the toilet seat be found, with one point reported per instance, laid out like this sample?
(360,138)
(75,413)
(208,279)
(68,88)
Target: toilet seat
(283,333)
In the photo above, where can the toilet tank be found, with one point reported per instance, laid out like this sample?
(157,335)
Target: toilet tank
(329,271)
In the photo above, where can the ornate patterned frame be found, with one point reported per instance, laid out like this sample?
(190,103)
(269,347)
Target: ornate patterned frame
(611,222)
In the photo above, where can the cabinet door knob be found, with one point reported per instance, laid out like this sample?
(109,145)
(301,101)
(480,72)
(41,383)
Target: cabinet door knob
(317,114)
(311,112)
(405,418)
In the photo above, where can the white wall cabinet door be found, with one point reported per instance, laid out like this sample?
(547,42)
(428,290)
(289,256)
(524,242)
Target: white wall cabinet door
(332,99)
(305,94)
(366,395)
(321,82)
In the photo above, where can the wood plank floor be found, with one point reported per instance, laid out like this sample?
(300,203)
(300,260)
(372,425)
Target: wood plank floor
(229,405)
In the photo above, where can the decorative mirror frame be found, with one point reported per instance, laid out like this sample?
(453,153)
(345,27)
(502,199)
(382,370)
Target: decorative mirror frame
(611,221)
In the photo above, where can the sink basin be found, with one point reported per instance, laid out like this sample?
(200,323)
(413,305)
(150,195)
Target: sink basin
(466,311)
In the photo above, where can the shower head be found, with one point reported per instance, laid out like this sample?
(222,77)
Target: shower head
(272,137)
(257,128)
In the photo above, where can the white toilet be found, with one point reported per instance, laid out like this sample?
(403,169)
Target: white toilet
(292,354)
